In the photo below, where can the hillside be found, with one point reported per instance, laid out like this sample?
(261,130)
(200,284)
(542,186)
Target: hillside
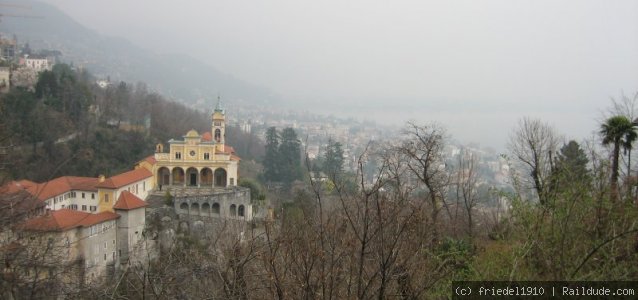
(70,126)
(177,76)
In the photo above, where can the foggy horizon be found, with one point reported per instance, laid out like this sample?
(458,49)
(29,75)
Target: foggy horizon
(476,67)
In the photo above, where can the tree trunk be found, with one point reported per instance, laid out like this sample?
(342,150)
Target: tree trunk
(614,172)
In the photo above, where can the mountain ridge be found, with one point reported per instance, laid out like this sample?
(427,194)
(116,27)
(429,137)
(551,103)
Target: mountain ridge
(176,75)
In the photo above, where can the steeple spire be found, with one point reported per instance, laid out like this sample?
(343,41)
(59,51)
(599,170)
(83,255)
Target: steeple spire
(218,107)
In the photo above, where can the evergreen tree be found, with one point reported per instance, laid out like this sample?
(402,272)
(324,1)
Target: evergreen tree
(571,167)
(333,161)
(290,155)
(271,158)
(573,159)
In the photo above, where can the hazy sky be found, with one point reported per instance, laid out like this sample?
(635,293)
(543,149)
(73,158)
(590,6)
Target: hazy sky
(475,66)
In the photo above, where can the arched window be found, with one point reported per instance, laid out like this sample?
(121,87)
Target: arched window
(240,211)
(183,206)
(216,208)
(218,135)
(233,210)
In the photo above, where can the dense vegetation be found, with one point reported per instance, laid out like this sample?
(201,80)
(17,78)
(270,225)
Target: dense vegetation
(282,160)
(419,226)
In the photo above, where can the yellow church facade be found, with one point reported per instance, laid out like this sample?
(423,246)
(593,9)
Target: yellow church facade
(203,161)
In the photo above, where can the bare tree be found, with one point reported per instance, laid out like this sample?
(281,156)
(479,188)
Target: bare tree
(424,147)
(534,144)
(466,186)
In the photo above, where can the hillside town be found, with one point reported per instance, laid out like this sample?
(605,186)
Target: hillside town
(101,222)
(214,151)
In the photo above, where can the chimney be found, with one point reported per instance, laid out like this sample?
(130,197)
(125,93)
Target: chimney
(101,178)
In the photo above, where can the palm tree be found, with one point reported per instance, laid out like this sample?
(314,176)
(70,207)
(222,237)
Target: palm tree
(619,131)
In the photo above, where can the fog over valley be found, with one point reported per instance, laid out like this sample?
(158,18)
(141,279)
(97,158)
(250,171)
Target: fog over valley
(474,66)
(293,149)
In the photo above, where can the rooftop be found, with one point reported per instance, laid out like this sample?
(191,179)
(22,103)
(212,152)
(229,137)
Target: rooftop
(53,187)
(125,178)
(65,219)
(128,201)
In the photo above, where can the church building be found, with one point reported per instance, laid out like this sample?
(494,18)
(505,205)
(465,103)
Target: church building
(198,160)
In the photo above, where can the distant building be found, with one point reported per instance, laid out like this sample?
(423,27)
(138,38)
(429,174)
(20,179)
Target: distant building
(8,49)
(246,126)
(5,79)
(37,63)
(102,83)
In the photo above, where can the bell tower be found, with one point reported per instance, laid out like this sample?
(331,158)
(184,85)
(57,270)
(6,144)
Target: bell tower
(218,129)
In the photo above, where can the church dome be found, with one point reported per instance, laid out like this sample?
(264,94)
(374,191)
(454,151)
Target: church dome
(192,133)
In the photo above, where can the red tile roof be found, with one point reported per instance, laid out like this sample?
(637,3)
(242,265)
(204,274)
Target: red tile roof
(51,188)
(125,178)
(62,185)
(128,201)
(150,159)
(207,137)
(16,186)
(65,219)
(227,150)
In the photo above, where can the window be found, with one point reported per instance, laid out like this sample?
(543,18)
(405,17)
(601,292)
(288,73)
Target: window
(93,208)
(106,197)
(136,188)
(233,210)
(83,207)
(104,256)
(92,195)
(206,156)
(217,123)
(144,186)
(104,245)
(82,195)
(178,155)
(62,205)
